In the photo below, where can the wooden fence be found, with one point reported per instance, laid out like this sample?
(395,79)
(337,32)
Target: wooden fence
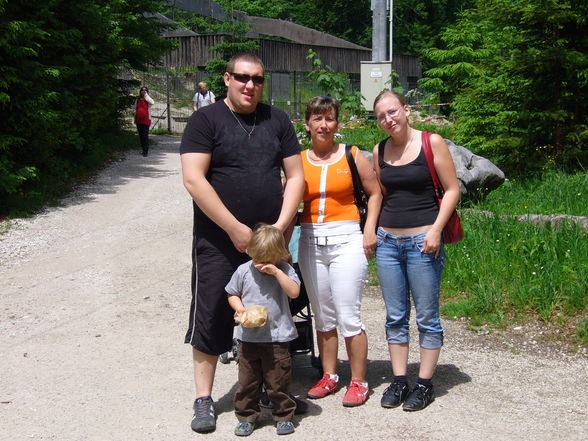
(281,56)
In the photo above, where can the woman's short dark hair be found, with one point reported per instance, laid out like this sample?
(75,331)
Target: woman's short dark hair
(401,99)
(319,105)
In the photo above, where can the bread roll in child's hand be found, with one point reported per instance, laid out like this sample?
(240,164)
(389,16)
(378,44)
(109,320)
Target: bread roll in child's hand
(254,316)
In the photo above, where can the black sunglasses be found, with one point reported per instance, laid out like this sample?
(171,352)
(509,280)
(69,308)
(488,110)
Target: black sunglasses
(244,78)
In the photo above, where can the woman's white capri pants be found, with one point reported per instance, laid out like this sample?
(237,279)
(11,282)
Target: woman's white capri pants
(334,269)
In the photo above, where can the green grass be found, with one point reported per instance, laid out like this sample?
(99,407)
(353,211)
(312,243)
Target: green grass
(372,276)
(509,270)
(550,194)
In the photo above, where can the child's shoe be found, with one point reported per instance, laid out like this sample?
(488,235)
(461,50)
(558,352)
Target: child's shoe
(244,428)
(284,427)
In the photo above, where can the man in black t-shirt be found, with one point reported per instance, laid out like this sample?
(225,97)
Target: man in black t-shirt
(232,154)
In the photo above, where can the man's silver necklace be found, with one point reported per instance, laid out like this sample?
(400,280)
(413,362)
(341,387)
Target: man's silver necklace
(239,122)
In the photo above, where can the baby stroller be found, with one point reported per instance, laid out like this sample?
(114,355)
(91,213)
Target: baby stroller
(300,310)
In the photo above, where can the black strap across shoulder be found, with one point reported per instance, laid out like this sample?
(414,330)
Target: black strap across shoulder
(381,148)
(359,194)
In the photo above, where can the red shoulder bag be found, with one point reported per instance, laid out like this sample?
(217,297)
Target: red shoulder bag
(453,232)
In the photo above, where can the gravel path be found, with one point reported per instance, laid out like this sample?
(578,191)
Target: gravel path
(94,298)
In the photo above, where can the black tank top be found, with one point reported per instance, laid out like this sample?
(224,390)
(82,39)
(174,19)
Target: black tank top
(410,199)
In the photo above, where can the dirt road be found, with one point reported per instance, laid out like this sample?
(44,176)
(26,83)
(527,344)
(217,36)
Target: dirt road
(94,298)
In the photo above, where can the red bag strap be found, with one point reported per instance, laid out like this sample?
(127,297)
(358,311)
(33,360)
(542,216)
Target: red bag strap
(426,139)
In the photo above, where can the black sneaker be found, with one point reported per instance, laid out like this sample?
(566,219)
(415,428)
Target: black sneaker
(420,397)
(394,395)
(204,419)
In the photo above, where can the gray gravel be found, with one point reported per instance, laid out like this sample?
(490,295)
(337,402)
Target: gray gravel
(94,296)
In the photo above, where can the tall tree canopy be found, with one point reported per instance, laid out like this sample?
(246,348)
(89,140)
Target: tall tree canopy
(417,23)
(60,86)
(518,74)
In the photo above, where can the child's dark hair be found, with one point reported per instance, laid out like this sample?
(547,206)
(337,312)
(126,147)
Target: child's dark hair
(267,245)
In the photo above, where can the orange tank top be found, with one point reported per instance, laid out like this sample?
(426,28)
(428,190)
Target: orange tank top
(328,191)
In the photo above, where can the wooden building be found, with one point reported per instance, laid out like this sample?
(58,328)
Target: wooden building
(286,57)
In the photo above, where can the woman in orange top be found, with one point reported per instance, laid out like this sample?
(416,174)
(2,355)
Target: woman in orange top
(333,252)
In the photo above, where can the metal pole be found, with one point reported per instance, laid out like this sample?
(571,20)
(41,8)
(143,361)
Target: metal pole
(378,30)
(391,8)
(167,96)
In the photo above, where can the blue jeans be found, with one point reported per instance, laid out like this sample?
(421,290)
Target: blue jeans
(404,269)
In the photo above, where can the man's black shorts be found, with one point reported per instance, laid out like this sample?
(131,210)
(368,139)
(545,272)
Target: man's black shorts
(214,260)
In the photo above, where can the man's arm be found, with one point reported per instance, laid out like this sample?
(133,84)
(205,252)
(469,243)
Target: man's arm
(293,190)
(194,169)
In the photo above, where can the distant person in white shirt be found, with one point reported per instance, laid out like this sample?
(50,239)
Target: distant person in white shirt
(203,97)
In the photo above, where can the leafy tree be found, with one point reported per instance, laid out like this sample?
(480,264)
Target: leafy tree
(517,70)
(60,86)
(335,84)
(233,43)
(263,8)
(418,23)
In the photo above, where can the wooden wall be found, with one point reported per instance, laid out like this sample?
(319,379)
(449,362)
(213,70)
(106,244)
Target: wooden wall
(280,56)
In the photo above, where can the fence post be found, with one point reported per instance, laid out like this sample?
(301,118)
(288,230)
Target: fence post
(167,101)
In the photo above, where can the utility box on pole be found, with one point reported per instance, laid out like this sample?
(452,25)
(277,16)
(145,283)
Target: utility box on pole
(375,77)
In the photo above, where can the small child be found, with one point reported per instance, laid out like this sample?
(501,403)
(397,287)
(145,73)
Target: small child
(264,355)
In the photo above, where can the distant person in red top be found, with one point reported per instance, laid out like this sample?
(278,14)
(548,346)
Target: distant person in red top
(144,102)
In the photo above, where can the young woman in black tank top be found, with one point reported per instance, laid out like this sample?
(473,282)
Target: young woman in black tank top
(410,256)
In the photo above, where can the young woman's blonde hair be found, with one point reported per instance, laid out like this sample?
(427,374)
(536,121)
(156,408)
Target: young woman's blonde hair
(267,245)
(401,99)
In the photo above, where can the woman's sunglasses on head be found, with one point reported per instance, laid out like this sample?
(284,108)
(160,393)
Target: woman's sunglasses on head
(244,78)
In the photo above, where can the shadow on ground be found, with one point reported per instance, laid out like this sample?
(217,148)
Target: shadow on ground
(128,166)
